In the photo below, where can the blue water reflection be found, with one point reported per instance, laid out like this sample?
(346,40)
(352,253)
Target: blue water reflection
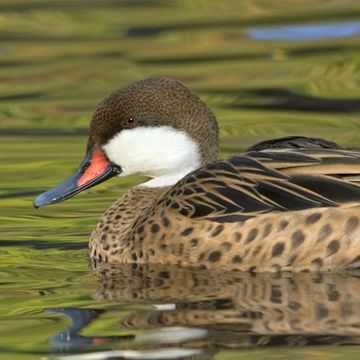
(305,31)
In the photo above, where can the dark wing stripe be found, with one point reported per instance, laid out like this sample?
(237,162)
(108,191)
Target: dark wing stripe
(251,202)
(330,187)
(292,197)
(228,204)
(200,209)
(265,199)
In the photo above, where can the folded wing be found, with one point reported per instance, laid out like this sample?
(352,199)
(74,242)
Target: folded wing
(258,182)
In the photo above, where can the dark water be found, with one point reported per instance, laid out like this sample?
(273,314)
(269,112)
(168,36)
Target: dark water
(267,68)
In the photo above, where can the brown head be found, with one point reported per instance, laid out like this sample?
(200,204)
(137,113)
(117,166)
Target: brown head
(155,127)
(156,101)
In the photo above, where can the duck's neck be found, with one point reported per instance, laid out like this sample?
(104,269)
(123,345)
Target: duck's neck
(116,223)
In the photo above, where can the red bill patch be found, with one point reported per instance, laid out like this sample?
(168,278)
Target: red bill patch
(97,166)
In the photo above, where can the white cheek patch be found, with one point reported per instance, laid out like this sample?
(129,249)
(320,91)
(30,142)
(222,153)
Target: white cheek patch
(164,153)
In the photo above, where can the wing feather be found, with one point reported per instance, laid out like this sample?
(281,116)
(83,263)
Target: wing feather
(258,182)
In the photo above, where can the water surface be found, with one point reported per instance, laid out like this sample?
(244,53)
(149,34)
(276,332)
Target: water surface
(266,68)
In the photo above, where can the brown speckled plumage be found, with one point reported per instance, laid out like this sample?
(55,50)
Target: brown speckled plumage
(287,204)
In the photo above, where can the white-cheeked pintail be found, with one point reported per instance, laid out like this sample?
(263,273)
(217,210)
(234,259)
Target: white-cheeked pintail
(289,204)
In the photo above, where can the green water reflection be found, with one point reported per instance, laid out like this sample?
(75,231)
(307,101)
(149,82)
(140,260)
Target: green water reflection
(58,59)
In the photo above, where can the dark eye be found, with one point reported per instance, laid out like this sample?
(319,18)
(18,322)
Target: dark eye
(130,122)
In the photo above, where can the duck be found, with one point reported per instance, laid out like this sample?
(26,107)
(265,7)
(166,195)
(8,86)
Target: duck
(288,204)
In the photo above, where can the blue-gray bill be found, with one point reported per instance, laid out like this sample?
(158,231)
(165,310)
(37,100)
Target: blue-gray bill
(93,170)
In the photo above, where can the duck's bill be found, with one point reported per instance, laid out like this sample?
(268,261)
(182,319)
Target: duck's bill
(94,169)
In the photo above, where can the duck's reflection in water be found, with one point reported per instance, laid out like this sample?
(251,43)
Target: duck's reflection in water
(302,308)
(207,310)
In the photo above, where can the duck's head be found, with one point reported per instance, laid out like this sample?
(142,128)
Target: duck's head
(154,127)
